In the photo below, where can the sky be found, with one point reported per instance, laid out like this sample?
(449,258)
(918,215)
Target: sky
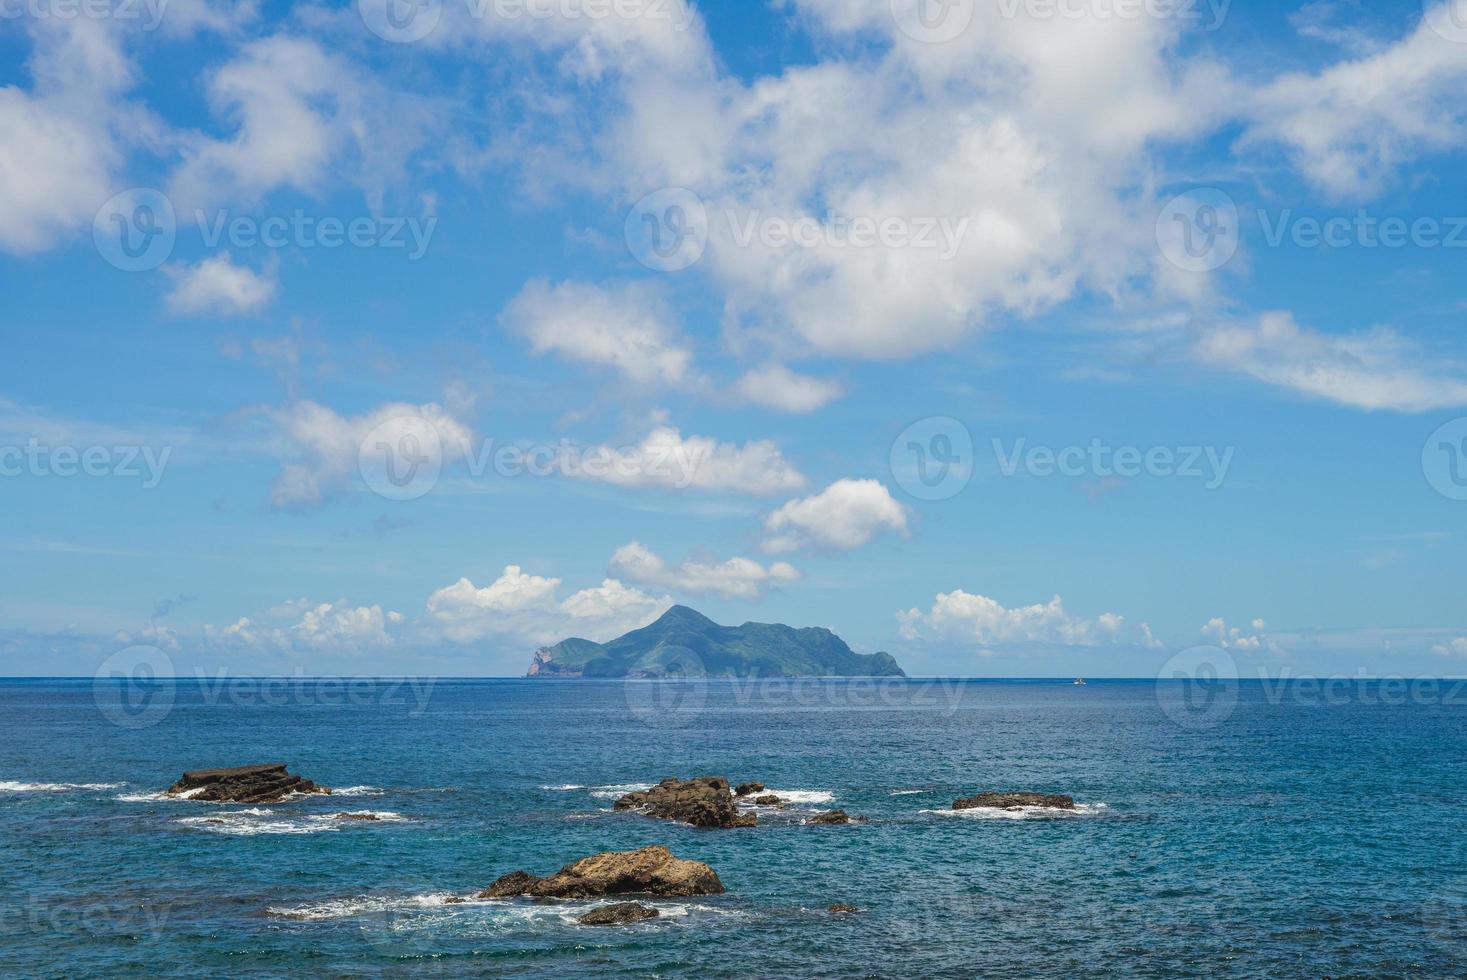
(1012,337)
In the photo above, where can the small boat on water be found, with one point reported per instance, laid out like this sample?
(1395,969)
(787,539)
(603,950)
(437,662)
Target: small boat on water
(1079,682)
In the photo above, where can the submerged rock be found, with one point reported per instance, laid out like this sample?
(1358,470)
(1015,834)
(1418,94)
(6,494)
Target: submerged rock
(748,789)
(704,801)
(649,871)
(841,908)
(1013,801)
(834,817)
(355,816)
(620,914)
(268,783)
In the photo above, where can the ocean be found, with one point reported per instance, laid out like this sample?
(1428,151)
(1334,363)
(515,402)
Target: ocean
(1253,831)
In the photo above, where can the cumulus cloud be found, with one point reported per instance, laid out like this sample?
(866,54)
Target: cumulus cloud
(735,578)
(520,607)
(666,459)
(629,328)
(302,625)
(1373,370)
(1350,126)
(59,140)
(1218,633)
(776,386)
(964,618)
(844,516)
(301,115)
(218,286)
(323,449)
(1456,647)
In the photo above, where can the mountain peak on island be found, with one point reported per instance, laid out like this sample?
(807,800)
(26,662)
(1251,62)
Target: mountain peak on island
(683,642)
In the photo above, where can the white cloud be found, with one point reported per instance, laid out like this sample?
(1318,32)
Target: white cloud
(302,115)
(58,145)
(628,328)
(525,608)
(1374,370)
(845,515)
(962,617)
(1456,647)
(1218,633)
(218,286)
(323,449)
(1350,126)
(735,578)
(776,386)
(668,460)
(302,625)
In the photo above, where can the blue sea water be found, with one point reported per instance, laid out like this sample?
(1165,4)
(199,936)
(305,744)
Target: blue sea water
(1274,833)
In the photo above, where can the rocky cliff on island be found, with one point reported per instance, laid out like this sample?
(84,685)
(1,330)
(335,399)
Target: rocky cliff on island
(704,801)
(1015,801)
(268,783)
(684,643)
(648,871)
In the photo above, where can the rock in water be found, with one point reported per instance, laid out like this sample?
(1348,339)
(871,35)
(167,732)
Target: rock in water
(649,871)
(268,783)
(841,908)
(1013,801)
(769,800)
(748,789)
(702,802)
(620,914)
(835,817)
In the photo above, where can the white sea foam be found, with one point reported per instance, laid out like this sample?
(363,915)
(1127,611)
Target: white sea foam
(564,788)
(907,792)
(161,797)
(16,786)
(614,792)
(358,791)
(493,914)
(801,795)
(1022,813)
(247,823)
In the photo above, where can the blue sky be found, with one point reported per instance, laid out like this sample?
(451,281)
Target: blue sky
(258,258)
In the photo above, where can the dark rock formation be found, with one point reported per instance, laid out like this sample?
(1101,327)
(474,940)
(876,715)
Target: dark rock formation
(748,789)
(703,802)
(356,816)
(620,914)
(770,800)
(834,817)
(840,908)
(649,871)
(243,784)
(1013,801)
